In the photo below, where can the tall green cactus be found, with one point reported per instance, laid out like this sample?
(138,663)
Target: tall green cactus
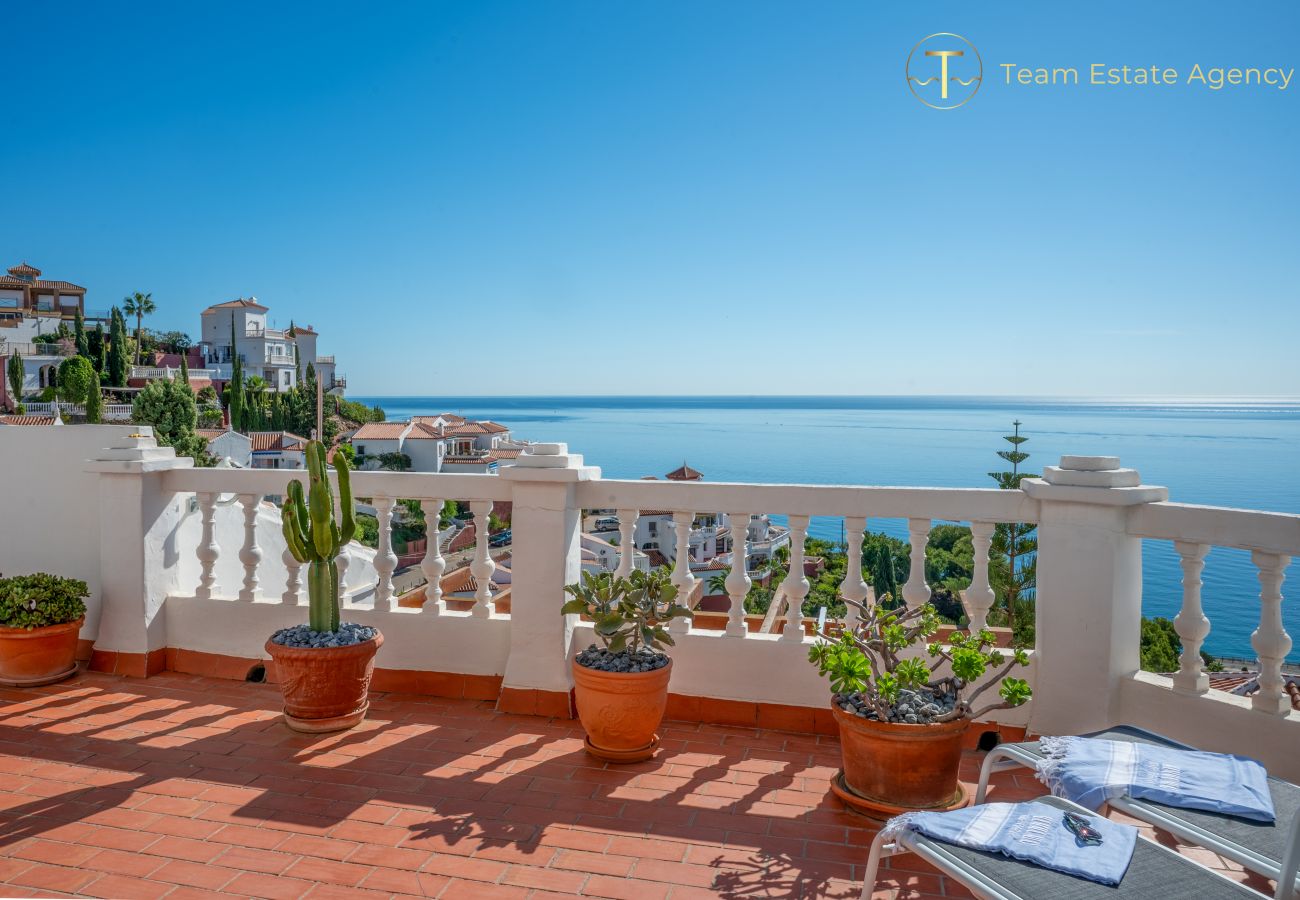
(313,537)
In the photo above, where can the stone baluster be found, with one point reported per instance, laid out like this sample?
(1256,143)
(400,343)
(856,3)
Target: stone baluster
(738,581)
(385,559)
(250,554)
(916,592)
(293,579)
(978,598)
(433,565)
(1190,623)
(341,560)
(1270,640)
(682,577)
(796,584)
(626,541)
(482,567)
(854,587)
(208,551)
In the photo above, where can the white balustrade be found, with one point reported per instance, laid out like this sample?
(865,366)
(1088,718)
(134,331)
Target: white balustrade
(626,541)
(341,558)
(978,598)
(385,559)
(854,587)
(483,567)
(208,552)
(682,577)
(1270,639)
(433,564)
(738,581)
(250,554)
(916,592)
(1190,623)
(293,578)
(796,584)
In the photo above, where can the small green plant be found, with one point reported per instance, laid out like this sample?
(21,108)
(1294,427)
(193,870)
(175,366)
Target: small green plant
(314,537)
(39,600)
(629,613)
(866,661)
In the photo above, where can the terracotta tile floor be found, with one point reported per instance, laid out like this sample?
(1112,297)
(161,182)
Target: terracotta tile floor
(186,787)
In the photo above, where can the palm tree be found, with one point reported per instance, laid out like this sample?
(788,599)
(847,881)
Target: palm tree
(255,386)
(139,305)
(717,582)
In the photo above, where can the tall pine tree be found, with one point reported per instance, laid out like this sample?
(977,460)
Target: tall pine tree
(1014,546)
(79,332)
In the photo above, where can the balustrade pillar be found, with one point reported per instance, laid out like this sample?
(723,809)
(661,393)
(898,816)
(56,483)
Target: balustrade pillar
(796,584)
(682,577)
(482,567)
(1270,640)
(978,598)
(1190,623)
(293,578)
(250,554)
(854,587)
(738,581)
(208,551)
(627,542)
(916,592)
(385,559)
(433,564)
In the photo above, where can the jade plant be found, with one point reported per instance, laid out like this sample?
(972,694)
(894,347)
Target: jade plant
(313,536)
(629,613)
(872,677)
(41,600)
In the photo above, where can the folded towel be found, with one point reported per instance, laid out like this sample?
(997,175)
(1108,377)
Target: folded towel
(1090,771)
(1034,832)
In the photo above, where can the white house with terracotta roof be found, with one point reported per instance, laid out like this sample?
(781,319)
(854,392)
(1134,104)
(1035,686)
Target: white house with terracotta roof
(229,444)
(273,354)
(278,450)
(441,443)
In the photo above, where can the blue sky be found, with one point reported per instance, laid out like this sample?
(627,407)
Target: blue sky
(625,198)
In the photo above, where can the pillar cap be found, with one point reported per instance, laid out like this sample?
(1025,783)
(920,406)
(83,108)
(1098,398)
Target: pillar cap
(1093,479)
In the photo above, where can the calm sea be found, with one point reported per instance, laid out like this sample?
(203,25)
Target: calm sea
(1238,453)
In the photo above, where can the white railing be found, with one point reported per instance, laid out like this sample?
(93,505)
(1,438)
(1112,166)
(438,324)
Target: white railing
(111,412)
(169,372)
(213,561)
(33,348)
(279,358)
(325,360)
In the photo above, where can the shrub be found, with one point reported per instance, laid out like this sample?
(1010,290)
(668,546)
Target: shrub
(35,601)
(628,613)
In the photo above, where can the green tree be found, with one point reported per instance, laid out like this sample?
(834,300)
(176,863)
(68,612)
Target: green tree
(98,349)
(94,400)
(235,389)
(395,462)
(350,455)
(79,333)
(1014,546)
(14,371)
(139,305)
(185,369)
(117,359)
(75,376)
(168,405)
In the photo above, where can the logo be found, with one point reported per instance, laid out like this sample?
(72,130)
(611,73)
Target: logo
(946,72)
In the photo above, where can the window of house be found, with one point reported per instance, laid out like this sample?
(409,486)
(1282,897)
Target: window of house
(654,528)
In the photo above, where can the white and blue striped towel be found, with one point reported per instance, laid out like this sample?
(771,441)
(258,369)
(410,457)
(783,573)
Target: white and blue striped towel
(1034,832)
(1091,771)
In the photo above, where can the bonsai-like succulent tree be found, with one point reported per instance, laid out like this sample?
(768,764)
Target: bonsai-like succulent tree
(868,672)
(629,613)
(41,600)
(314,537)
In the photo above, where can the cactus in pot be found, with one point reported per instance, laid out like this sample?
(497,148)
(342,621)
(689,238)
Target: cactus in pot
(324,670)
(313,536)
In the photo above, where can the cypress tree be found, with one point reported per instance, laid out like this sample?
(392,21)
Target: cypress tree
(235,389)
(117,350)
(79,331)
(185,370)
(94,401)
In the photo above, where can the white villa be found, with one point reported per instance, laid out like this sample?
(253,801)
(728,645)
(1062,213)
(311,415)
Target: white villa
(441,443)
(273,354)
(257,449)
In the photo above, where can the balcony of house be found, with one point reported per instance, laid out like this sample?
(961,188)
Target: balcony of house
(110,412)
(279,358)
(151,373)
(166,763)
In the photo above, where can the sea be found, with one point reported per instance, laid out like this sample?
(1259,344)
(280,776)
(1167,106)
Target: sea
(1239,452)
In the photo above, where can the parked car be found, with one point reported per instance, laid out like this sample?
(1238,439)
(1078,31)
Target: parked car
(500,539)
(607,523)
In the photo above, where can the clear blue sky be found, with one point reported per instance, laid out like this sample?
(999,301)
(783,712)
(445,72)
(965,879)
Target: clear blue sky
(636,197)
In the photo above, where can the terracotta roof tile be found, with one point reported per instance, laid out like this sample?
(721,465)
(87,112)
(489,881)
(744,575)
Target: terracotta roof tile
(422,431)
(26,420)
(505,453)
(685,473)
(379,431)
(241,303)
(276,440)
(656,558)
(24,268)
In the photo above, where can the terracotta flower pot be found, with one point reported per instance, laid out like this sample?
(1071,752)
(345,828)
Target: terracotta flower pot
(893,767)
(30,657)
(621,711)
(325,688)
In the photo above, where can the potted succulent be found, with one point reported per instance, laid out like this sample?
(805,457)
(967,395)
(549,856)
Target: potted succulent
(621,689)
(901,726)
(40,619)
(323,667)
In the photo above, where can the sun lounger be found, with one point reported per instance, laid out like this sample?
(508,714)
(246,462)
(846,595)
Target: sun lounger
(1155,872)
(1269,849)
